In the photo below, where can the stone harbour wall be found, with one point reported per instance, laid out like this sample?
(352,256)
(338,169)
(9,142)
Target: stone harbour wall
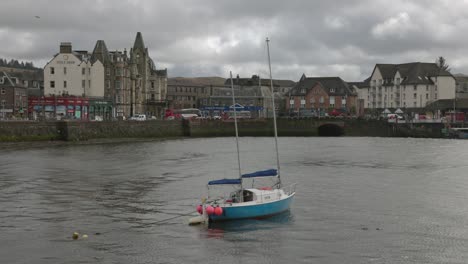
(81,131)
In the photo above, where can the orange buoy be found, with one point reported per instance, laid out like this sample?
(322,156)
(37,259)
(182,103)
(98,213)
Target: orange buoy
(218,211)
(209,210)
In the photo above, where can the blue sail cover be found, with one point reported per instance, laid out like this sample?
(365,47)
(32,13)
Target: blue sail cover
(263,173)
(225,181)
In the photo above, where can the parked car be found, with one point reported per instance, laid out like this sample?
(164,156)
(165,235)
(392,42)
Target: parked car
(394,116)
(139,117)
(98,119)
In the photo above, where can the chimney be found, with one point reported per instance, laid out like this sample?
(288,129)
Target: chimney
(65,47)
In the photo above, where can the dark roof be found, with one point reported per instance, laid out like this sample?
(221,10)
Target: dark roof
(412,73)
(327,83)
(161,72)
(447,104)
(255,80)
(100,53)
(358,84)
(139,44)
(8,80)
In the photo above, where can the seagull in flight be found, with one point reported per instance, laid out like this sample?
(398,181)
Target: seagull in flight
(37,16)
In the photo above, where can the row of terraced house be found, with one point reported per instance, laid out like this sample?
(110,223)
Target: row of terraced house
(114,84)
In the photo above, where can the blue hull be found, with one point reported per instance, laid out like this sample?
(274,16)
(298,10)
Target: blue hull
(253,211)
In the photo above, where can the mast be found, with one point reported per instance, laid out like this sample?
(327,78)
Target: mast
(274,113)
(237,134)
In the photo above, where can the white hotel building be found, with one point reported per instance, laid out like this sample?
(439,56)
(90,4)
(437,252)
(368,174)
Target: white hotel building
(409,85)
(72,73)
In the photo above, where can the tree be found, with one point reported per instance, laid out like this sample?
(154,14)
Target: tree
(442,64)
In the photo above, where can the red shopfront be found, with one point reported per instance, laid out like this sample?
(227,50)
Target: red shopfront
(50,107)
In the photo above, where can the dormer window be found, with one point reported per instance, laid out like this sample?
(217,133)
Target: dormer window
(332,90)
(302,90)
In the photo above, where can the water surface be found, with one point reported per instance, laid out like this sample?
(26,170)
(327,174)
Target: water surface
(359,200)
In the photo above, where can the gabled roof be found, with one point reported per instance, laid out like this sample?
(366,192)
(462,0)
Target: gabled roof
(331,85)
(411,73)
(7,80)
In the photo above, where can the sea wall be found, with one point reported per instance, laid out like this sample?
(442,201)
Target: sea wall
(29,131)
(78,131)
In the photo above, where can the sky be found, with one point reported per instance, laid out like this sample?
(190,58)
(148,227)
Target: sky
(201,38)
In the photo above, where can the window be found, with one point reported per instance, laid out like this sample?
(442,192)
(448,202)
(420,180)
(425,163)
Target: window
(83,71)
(65,83)
(117,84)
(83,83)
(414,104)
(52,84)
(108,84)
(118,71)
(107,71)
(332,101)
(435,96)
(427,96)
(152,84)
(52,70)
(435,87)
(415,88)
(332,90)
(343,101)
(89,84)
(64,70)
(427,88)
(322,99)
(3,91)
(397,81)
(89,71)
(312,100)
(302,90)
(415,96)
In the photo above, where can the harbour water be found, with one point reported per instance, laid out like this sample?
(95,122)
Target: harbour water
(359,200)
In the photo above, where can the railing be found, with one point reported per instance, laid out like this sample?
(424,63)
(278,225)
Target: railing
(290,189)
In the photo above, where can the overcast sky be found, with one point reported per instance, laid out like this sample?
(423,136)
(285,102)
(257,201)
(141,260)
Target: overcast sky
(192,38)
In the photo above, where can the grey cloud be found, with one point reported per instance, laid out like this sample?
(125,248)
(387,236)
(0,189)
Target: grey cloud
(208,37)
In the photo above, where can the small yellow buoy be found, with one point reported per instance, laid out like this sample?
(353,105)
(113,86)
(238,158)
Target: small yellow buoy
(75,235)
(84,236)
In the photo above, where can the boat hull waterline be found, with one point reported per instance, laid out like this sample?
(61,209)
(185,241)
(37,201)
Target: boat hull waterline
(247,210)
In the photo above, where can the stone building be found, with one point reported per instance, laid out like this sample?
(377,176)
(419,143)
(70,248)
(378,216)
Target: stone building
(127,83)
(320,95)
(13,97)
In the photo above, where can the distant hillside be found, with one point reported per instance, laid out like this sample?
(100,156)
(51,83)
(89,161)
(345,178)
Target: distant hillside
(215,81)
(16,70)
(460,75)
(15,64)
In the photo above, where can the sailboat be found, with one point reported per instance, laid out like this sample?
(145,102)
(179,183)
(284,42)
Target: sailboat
(246,202)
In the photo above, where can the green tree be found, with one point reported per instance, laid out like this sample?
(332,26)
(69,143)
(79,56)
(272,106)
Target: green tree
(442,64)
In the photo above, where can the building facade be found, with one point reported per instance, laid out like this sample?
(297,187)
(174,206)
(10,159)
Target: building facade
(321,95)
(73,73)
(13,97)
(128,83)
(409,85)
